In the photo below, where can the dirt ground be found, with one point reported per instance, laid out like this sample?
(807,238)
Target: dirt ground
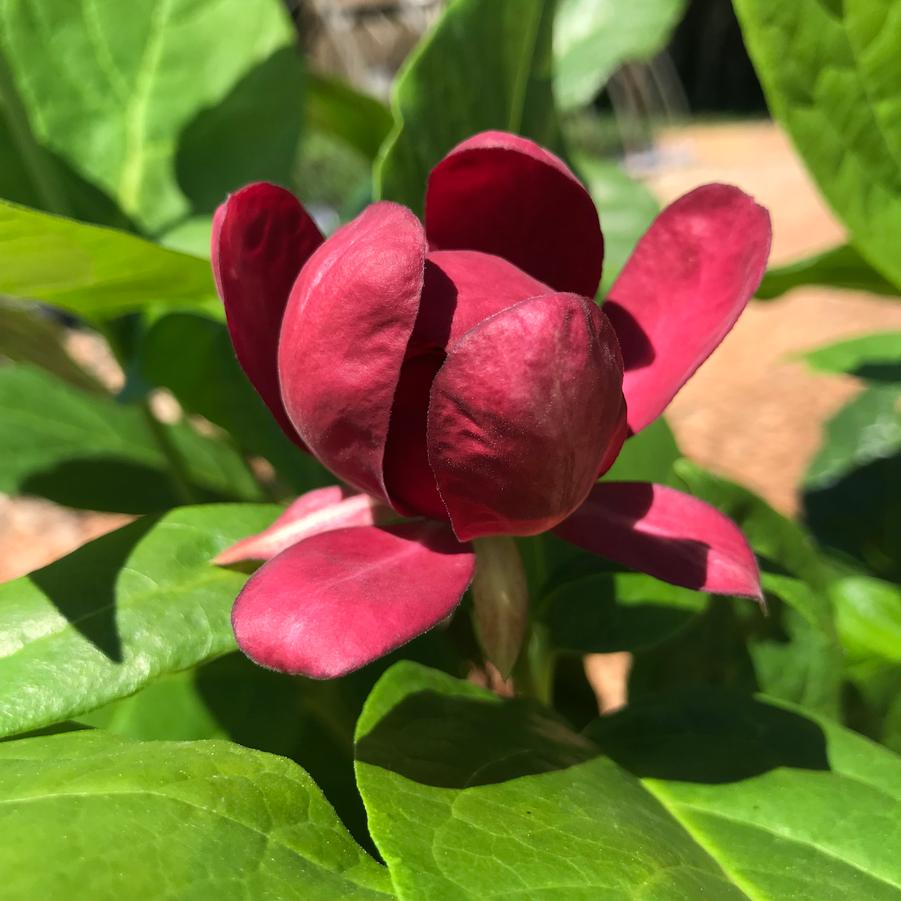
(752,412)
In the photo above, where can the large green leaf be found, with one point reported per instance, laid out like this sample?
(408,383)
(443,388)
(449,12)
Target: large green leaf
(473,797)
(165,109)
(830,72)
(118,612)
(868,616)
(92,271)
(852,489)
(504,47)
(626,209)
(209,381)
(90,815)
(648,456)
(592,38)
(874,358)
(841,267)
(86,450)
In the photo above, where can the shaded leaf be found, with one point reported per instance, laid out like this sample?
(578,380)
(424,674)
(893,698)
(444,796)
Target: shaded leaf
(204,818)
(116,98)
(874,358)
(118,612)
(86,450)
(839,267)
(473,797)
(505,44)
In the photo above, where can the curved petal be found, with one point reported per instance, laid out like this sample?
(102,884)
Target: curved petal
(262,236)
(682,290)
(341,599)
(521,416)
(506,195)
(462,287)
(344,337)
(306,517)
(671,535)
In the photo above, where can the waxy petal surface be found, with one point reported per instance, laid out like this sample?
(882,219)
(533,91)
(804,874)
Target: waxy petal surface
(521,415)
(340,599)
(682,290)
(505,195)
(671,535)
(262,236)
(344,337)
(304,518)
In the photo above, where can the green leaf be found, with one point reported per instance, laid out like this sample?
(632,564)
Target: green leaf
(830,73)
(205,819)
(472,797)
(874,358)
(647,457)
(29,335)
(86,450)
(163,111)
(593,38)
(118,612)
(336,108)
(626,209)
(93,272)
(607,612)
(504,47)
(868,616)
(840,267)
(852,489)
(209,381)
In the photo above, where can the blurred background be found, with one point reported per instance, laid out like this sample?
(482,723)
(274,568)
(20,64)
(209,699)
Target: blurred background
(678,105)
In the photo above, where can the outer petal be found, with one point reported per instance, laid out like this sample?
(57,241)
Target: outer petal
(682,290)
(262,237)
(316,511)
(344,337)
(521,415)
(341,599)
(666,533)
(508,196)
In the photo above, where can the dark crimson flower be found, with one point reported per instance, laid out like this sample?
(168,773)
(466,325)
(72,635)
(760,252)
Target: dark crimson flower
(459,373)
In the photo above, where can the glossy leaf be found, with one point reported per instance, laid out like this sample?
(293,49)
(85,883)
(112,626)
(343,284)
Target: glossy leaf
(86,450)
(868,616)
(473,797)
(102,622)
(592,38)
(852,489)
(505,44)
(91,271)
(839,267)
(204,817)
(165,111)
(873,358)
(830,74)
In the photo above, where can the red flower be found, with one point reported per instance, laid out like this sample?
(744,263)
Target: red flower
(461,374)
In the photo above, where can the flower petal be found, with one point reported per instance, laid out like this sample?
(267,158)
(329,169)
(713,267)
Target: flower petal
(310,514)
(262,236)
(344,337)
(462,287)
(341,599)
(508,196)
(521,416)
(682,290)
(671,535)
